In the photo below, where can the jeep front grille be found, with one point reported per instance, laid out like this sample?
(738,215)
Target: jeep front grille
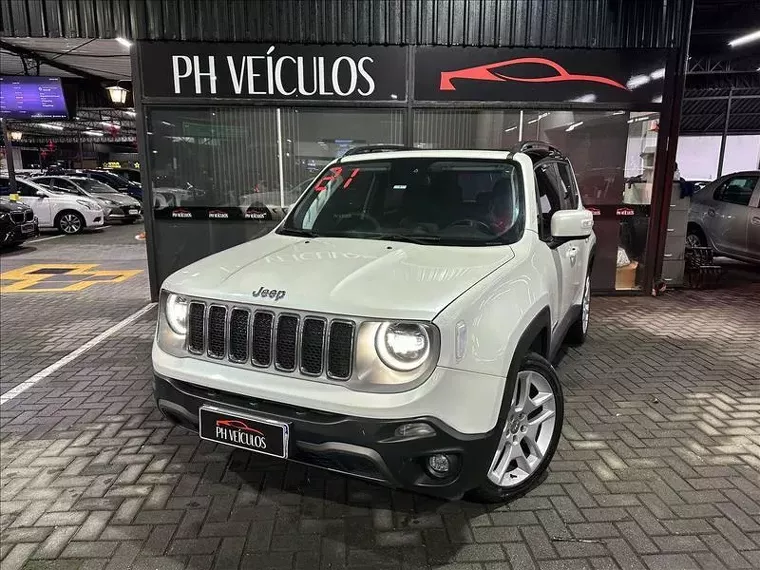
(310,345)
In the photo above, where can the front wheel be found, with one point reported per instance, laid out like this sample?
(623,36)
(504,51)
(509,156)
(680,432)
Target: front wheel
(70,222)
(530,434)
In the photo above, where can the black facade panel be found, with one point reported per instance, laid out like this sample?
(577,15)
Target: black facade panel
(539,23)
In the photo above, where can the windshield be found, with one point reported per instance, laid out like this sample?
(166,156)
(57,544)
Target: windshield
(111,179)
(94,186)
(424,200)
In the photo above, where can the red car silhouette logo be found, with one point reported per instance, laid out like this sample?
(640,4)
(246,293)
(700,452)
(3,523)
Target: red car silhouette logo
(238,424)
(492,72)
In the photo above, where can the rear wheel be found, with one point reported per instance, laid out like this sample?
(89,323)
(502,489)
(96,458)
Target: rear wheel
(70,222)
(695,238)
(530,433)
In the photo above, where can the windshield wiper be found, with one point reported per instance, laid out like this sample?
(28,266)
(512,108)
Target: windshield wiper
(299,232)
(418,239)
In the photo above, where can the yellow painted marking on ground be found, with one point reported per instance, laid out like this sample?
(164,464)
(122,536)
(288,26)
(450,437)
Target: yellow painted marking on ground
(26,277)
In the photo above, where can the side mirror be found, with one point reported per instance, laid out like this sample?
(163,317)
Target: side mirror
(572,224)
(41,194)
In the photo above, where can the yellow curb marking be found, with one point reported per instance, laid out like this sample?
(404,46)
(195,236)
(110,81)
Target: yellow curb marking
(26,277)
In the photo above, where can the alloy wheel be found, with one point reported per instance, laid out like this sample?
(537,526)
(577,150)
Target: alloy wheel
(527,432)
(693,240)
(586,304)
(70,223)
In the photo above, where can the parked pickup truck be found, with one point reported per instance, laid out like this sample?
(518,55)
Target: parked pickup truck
(397,325)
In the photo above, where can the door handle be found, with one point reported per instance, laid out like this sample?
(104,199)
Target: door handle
(711,213)
(756,220)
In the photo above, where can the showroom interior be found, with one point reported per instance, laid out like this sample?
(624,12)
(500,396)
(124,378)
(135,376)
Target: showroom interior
(142,137)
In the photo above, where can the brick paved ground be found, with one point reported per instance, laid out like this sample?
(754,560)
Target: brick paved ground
(659,466)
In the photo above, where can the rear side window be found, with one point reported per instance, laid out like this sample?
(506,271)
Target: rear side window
(736,190)
(569,184)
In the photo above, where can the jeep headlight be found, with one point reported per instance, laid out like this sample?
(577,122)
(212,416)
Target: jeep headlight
(402,346)
(172,323)
(176,313)
(395,356)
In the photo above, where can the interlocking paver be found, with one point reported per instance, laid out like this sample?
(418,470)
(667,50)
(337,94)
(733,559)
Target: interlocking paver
(658,466)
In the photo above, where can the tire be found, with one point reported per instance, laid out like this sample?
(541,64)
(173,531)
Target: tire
(535,373)
(695,237)
(576,334)
(70,222)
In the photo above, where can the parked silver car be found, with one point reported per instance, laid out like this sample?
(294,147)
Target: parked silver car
(117,206)
(725,216)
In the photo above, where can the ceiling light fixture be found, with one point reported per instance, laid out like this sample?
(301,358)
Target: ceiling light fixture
(93,133)
(52,126)
(658,73)
(510,129)
(588,98)
(110,125)
(745,39)
(131,113)
(15,136)
(637,81)
(573,126)
(125,42)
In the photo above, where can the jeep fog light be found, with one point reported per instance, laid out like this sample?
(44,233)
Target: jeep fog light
(402,346)
(439,465)
(176,313)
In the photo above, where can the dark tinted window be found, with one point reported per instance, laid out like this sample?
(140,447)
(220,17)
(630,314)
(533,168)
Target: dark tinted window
(551,195)
(568,184)
(736,190)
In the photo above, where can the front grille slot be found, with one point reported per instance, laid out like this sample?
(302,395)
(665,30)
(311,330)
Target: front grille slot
(340,350)
(29,216)
(217,331)
(17,217)
(286,342)
(312,346)
(239,319)
(196,323)
(261,349)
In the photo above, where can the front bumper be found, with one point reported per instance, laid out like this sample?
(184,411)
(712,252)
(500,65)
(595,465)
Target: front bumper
(93,218)
(360,447)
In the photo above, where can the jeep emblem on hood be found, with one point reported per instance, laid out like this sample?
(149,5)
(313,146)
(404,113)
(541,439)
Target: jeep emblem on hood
(271,293)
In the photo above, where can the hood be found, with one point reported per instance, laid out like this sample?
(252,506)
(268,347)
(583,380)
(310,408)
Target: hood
(8,206)
(119,198)
(356,277)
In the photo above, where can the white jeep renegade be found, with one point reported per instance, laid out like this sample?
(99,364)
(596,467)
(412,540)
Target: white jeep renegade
(398,325)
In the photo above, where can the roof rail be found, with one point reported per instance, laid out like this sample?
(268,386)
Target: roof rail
(383,147)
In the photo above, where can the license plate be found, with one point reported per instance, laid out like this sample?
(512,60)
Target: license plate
(27,228)
(252,433)
(134,211)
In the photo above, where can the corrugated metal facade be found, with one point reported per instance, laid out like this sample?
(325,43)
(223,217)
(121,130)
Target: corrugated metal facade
(545,23)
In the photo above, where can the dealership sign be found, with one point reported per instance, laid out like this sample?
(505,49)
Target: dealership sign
(270,71)
(539,75)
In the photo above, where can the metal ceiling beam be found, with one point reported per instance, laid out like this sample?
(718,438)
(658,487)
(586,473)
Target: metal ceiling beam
(24,52)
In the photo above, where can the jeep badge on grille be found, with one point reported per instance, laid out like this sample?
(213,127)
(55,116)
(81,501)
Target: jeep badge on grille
(271,293)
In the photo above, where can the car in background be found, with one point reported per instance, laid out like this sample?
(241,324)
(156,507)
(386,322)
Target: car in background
(725,216)
(117,206)
(115,181)
(131,174)
(17,223)
(67,212)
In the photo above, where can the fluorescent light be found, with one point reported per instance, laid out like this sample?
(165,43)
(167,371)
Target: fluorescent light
(93,133)
(637,81)
(109,125)
(657,99)
(509,129)
(52,126)
(741,40)
(619,113)
(125,42)
(588,98)
(658,73)
(131,113)
(541,116)
(573,126)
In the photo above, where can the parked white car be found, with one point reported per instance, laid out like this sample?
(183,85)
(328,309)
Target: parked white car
(725,216)
(398,325)
(118,207)
(69,213)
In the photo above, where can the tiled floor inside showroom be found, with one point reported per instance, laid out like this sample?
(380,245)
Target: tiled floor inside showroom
(659,466)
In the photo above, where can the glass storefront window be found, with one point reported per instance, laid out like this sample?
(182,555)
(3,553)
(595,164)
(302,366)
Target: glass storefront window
(232,157)
(612,153)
